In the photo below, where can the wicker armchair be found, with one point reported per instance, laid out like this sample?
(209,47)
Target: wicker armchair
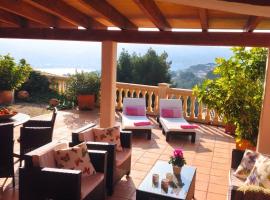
(119,163)
(6,152)
(42,123)
(33,137)
(40,179)
(238,191)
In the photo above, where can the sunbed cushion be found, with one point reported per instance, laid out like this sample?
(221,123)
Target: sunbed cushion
(128,122)
(171,113)
(135,110)
(246,165)
(75,157)
(235,182)
(260,174)
(111,135)
(122,156)
(174,124)
(89,183)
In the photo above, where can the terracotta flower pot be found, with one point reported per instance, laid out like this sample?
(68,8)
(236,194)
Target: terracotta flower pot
(86,102)
(177,170)
(243,144)
(6,97)
(54,102)
(230,129)
(23,95)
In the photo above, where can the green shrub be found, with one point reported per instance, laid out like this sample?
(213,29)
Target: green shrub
(13,75)
(83,83)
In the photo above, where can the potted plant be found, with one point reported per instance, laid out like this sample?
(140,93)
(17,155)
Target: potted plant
(85,87)
(12,75)
(237,92)
(177,160)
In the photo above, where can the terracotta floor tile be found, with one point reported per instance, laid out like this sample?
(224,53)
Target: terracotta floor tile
(200,195)
(221,160)
(202,177)
(219,172)
(202,163)
(151,155)
(203,170)
(146,160)
(201,185)
(220,166)
(141,167)
(218,189)
(220,180)
(213,196)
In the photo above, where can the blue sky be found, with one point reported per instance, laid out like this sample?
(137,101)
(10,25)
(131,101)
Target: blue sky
(66,56)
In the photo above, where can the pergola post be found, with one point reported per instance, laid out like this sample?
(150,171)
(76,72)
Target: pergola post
(264,128)
(108,84)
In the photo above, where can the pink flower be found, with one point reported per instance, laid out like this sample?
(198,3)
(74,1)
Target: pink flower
(178,152)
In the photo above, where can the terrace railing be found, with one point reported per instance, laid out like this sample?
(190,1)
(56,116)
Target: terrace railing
(192,109)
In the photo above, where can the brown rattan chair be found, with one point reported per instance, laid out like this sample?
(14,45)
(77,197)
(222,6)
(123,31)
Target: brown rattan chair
(40,179)
(42,123)
(6,152)
(32,138)
(119,163)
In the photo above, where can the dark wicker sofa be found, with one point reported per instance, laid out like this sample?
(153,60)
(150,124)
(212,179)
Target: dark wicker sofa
(39,179)
(119,163)
(237,191)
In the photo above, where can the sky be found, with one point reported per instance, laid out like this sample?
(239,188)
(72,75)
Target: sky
(62,57)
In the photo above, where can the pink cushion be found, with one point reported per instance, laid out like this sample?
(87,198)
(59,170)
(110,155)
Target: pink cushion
(135,111)
(142,123)
(122,156)
(89,183)
(171,113)
(189,126)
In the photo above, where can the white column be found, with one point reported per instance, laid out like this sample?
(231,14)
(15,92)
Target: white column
(108,84)
(263,145)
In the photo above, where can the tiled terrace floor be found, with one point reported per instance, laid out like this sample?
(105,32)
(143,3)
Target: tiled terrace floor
(211,154)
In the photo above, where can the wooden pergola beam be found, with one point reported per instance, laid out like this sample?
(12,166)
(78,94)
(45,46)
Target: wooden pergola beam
(152,11)
(148,37)
(203,19)
(10,18)
(27,11)
(66,12)
(252,23)
(226,6)
(110,13)
(253,2)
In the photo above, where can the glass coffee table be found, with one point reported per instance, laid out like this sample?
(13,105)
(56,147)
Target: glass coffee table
(182,187)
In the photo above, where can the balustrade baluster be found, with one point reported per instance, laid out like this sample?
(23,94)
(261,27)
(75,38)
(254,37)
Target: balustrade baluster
(126,93)
(185,106)
(149,107)
(192,107)
(200,112)
(120,98)
(208,116)
(138,93)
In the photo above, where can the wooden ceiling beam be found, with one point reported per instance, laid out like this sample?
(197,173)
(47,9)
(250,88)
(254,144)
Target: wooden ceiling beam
(253,2)
(219,5)
(66,12)
(147,37)
(10,18)
(150,8)
(110,13)
(203,19)
(252,23)
(27,11)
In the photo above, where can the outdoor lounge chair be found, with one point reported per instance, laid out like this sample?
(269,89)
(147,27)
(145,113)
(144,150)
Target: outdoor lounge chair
(134,116)
(41,179)
(171,119)
(119,163)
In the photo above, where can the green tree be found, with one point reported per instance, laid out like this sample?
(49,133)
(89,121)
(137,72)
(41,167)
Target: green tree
(237,91)
(149,69)
(187,80)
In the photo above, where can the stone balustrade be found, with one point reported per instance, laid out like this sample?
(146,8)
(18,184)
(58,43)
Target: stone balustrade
(192,109)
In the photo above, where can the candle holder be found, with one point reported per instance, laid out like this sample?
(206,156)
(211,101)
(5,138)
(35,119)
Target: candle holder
(165,184)
(155,179)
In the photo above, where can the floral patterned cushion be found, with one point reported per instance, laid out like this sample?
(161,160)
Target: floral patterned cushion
(260,174)
(246,165)
(75,157)
(111,135)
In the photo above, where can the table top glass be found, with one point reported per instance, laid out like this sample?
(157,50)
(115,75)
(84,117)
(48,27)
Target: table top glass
(178,190)
(17,119)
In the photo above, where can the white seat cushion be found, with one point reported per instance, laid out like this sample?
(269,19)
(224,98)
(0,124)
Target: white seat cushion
(174,124)
(89,183)
(128,122)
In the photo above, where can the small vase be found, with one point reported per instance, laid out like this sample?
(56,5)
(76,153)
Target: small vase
(177,170)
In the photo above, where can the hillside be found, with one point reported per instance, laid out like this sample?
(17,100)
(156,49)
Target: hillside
(192,75)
